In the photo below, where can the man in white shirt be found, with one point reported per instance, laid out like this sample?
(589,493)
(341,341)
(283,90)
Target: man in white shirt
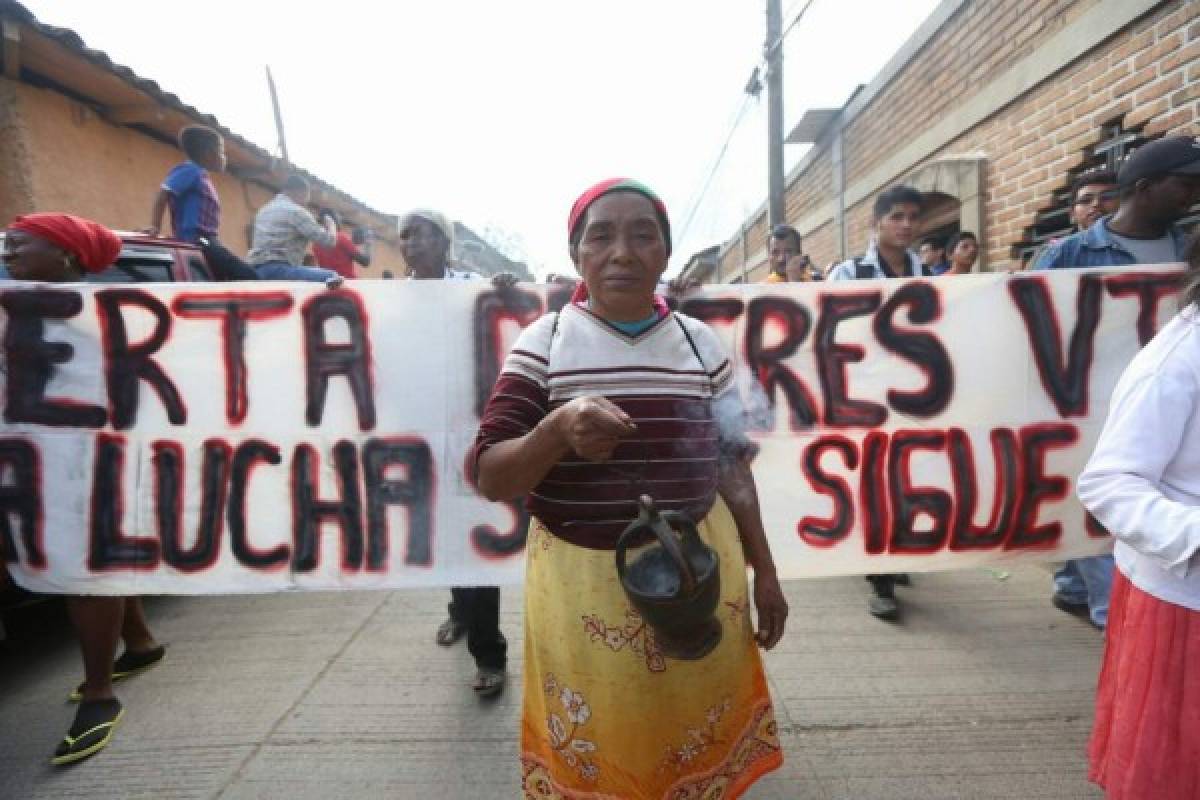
(427,241)
(897,213)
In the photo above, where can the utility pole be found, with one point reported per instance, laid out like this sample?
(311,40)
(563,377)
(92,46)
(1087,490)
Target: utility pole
(773,50)
(278,117)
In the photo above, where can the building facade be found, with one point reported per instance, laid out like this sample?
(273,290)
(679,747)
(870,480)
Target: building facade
(990,109)
(83,135)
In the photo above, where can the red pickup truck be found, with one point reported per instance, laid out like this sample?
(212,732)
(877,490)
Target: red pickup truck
(145,259)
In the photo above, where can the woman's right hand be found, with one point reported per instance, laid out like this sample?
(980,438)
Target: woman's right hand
(593,426)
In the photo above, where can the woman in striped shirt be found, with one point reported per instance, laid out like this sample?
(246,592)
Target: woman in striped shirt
(611,392)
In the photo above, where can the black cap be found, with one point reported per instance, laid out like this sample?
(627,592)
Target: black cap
(1173,155)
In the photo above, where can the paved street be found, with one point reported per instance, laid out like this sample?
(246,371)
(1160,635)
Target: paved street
(984,691)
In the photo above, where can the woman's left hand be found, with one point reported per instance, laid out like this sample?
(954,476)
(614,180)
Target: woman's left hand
(772,609)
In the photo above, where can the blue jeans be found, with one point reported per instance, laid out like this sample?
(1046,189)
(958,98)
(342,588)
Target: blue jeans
(282,271)
(1087,580)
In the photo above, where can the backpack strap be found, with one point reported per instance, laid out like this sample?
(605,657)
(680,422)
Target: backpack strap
(550,348)
(865,272)
(712,387)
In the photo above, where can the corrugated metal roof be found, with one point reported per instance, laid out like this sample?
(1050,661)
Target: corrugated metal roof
(814,123)
(69,39)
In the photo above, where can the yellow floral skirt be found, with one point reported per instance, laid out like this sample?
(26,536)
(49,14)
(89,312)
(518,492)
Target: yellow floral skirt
(606,715)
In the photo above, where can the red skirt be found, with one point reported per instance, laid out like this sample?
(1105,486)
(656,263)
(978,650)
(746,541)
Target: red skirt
(1146,740)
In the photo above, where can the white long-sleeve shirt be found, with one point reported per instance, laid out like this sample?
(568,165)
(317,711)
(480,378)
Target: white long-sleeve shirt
(1143,479)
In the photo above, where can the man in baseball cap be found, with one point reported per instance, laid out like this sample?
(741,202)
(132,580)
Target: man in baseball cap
(1158,183)
(1172,155)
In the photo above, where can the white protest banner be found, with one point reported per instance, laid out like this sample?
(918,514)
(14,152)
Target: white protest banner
(263,437)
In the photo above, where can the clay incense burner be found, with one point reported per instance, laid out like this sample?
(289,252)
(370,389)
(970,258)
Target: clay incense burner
(675,585)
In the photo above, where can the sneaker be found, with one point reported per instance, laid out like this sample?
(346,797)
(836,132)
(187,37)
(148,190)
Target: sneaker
(93,728)
(450,632)
(1074,607)
(883,607)
(489,682)
(882,602)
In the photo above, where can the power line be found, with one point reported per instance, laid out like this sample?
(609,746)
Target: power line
(779,42)
(751,92)
(741,114)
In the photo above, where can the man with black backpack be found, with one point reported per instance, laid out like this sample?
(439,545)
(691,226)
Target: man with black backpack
(896,215)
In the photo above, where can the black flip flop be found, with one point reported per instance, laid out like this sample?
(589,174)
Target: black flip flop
(129,664)
(93,728)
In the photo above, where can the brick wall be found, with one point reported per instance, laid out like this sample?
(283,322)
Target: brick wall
(820,244)
(982,40)
(806,197)
(1146,75)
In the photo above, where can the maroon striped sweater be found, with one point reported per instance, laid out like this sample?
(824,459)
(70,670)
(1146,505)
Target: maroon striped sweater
(668,379)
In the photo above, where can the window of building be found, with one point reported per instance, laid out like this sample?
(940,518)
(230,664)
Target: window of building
(939,218)
(939,215)
(952,190)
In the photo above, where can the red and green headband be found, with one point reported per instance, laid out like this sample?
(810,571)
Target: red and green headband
(579,210)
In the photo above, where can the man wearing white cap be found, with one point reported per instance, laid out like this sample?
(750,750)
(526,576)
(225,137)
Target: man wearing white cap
(427,240)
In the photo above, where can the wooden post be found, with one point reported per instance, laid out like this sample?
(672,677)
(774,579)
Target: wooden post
(278,116)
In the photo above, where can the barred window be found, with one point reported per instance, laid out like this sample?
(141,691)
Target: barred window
(1053,221)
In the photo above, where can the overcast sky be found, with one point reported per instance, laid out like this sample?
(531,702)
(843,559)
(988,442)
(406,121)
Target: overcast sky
(501,113)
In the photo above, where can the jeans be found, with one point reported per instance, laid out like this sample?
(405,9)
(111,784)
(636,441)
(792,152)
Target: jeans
(1087,580)
(282,271)
(478,610)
